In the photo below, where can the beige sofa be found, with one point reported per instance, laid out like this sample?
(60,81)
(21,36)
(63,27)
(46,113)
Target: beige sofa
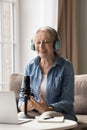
(80,104)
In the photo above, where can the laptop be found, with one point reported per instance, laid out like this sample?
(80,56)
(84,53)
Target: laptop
(8,109)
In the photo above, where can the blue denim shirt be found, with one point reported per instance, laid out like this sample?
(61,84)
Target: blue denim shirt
(59,86)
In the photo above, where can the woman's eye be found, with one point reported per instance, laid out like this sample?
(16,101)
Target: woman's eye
(37,42)
(46,42)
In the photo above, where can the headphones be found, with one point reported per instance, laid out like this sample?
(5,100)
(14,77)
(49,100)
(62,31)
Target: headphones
(57,42)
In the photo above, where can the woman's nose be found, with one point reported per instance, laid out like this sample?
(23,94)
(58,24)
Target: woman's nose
(42,45)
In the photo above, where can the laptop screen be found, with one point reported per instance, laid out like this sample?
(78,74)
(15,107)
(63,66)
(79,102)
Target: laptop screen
(8,109)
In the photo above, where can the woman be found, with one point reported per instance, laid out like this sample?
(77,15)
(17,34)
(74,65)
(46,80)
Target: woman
(51,76)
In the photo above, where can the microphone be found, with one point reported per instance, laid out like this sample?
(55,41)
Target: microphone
(27,86)
(27,93)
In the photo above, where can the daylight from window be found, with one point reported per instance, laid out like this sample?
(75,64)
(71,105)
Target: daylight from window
(6,40)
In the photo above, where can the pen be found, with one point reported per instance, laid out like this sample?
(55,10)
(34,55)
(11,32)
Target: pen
(48,117)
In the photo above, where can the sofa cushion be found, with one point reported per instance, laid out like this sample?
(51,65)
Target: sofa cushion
(15,81)
(80,104)
(82,119)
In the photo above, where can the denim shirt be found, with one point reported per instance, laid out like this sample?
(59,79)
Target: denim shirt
(59,86)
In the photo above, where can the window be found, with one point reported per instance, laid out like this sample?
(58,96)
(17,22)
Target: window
(7,41)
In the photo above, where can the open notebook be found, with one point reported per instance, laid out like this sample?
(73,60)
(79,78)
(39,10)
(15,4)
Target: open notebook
(51,116)
(8,109)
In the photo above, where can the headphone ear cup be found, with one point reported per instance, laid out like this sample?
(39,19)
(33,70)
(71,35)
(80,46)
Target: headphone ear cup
(57,45)
(32,45)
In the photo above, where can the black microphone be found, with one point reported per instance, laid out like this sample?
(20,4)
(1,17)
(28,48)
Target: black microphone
(27,86)
(27,93)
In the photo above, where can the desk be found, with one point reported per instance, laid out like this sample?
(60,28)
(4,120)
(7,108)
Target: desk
(34,125)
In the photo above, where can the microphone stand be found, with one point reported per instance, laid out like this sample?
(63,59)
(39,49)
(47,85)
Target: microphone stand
(25,107)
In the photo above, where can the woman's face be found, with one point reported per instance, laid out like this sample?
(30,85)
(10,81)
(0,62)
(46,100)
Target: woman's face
(44,44)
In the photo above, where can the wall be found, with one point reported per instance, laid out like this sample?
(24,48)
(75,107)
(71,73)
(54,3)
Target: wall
(36,13)
(33,14)
(82,31)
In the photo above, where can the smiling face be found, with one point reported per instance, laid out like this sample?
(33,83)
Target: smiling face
(44,41)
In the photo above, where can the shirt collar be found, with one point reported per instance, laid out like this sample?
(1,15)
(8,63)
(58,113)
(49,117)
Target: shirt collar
(58,60)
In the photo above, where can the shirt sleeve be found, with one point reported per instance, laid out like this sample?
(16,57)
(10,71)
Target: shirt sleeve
(65,103)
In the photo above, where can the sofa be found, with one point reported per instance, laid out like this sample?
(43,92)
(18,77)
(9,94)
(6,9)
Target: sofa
(80,96)
(80,103)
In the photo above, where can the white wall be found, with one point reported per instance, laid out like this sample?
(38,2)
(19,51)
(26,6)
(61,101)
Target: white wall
(36,13)
(82,36)
(33,14)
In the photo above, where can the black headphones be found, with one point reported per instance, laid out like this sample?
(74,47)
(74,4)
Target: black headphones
(57,42)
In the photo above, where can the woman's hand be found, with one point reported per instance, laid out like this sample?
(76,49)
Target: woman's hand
(40,106)
(30,106)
